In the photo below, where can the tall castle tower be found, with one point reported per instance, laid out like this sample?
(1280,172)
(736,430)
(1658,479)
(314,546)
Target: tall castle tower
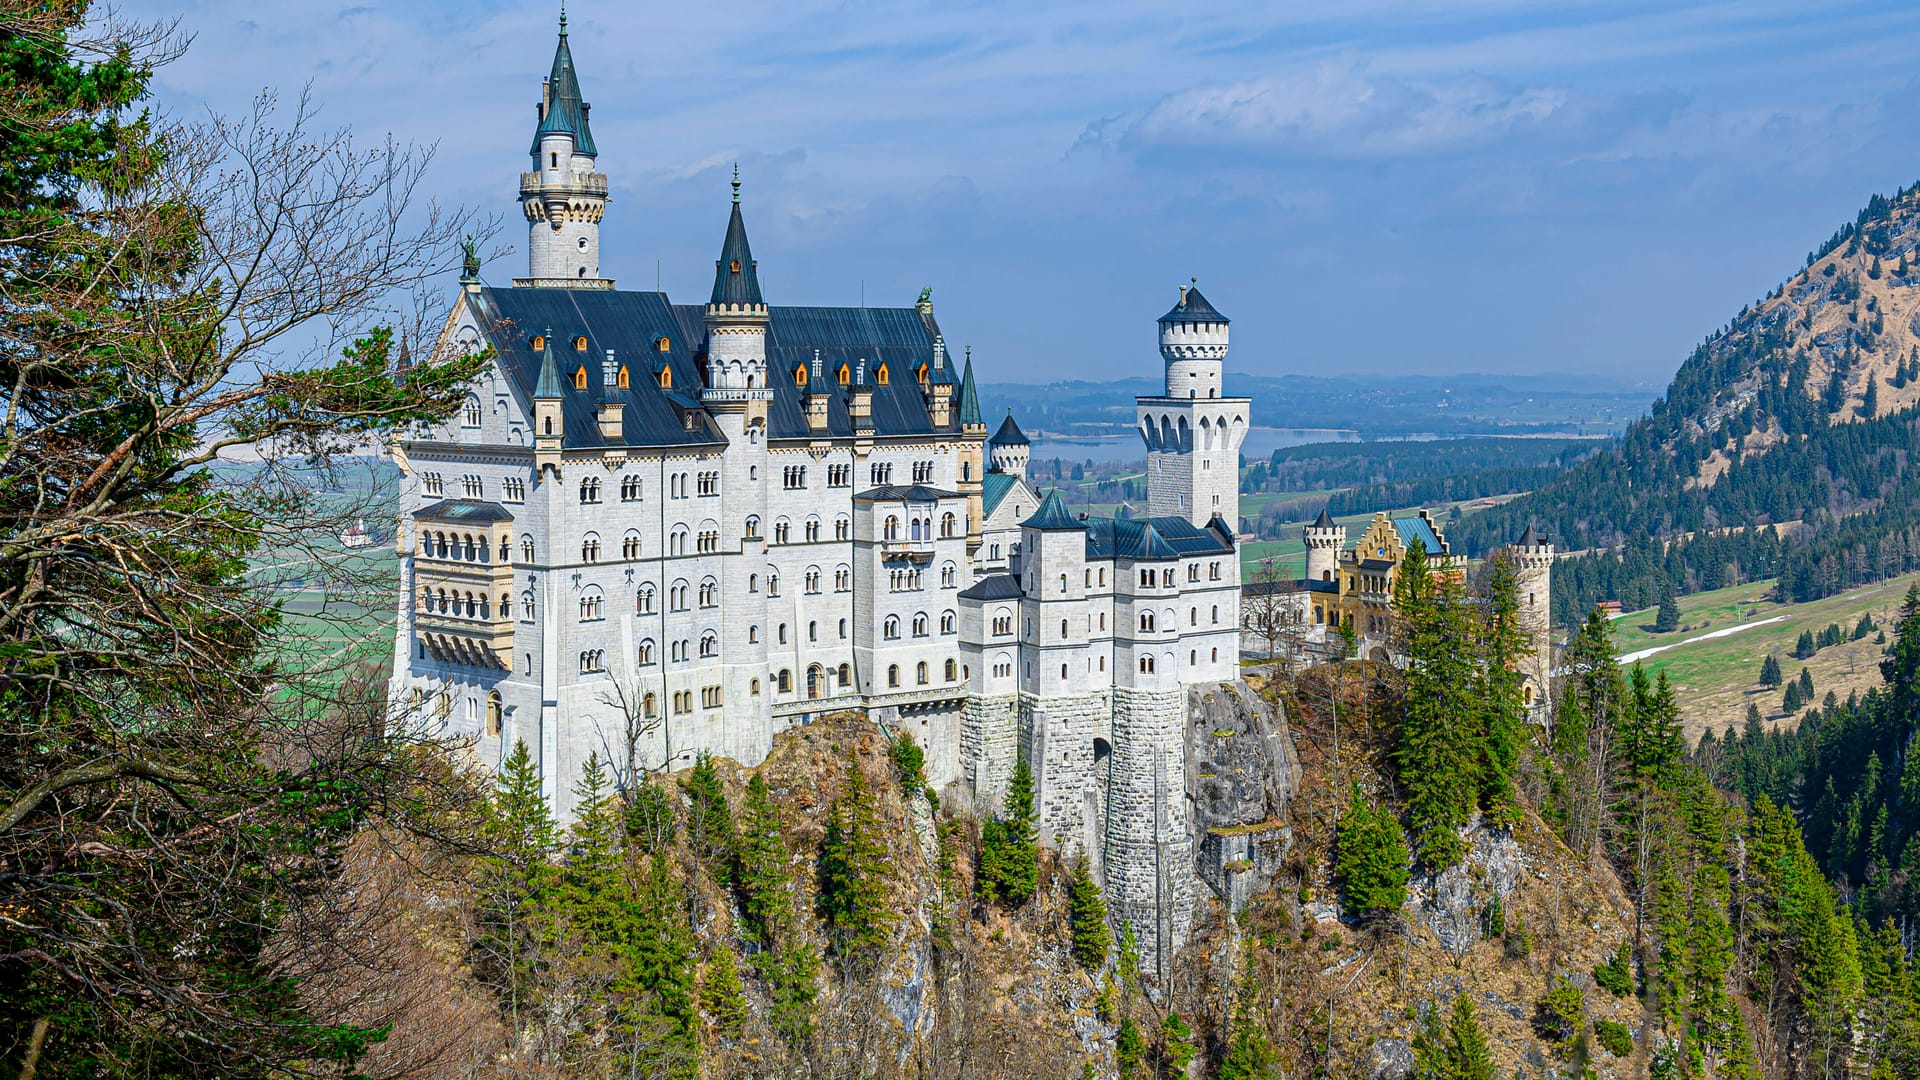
(1324,540)
(1193,434)
(564,198)
(1533,567)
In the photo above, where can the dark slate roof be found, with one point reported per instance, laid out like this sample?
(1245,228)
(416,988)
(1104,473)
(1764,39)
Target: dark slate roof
(1009,434)
(1193,308)
(915,493)
(740,287)
(1153,538)
(994,487)
(565,112)
(996,587)
(1053,515)
(1418,528)
(633,324)
(471,510)
(969,397)
(1324,521)
(1323,586)
(1530,538)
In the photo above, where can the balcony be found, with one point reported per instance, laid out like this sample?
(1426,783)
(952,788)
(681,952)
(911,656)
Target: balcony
(913,550)
(591,184)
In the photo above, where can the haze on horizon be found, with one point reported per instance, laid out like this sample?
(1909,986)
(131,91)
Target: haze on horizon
(1482,186)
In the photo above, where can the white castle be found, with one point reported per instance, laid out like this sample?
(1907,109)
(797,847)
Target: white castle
(657,530)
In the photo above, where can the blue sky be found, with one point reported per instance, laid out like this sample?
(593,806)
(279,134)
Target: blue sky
(1363,186)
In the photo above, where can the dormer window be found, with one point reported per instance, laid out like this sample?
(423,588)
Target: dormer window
(580,343)
(580,378)
(621,379)
(733,267)
(880,375)
(539,343)
(846,374)
(666,378)
(924,369)
(664,344)
(800,376)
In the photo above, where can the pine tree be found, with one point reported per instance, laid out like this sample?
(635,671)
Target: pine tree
(1454,1050)
(1250,1053)
(1864,627)
(1806,685)
(760,870)
(1087,918)
(1009,846)
(1770,672)
(1177,1047)
(657,1014)
(1791,701)
(1129,1048)
(1438,752)
(1804,647)
(722,997)
(1501,698)
(512,879)
(1668,618)
(1371,859)
(709,819)
(853,862)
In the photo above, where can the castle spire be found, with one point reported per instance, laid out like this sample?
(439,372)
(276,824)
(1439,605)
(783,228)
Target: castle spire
(563,112)
(736,281)
(550,386)
(969,397)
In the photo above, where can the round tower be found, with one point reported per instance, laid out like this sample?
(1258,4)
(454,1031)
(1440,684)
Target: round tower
(1193,342)
(1532,556)
(563,197)
(736,318)
(1324,540)
(1010,449)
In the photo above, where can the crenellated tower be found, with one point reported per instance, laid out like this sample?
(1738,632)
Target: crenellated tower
(1324,539)
(1533,568)
(1193,433)
(563,197)
(1010,449)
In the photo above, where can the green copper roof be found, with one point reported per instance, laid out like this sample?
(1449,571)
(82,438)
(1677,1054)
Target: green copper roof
(1053,514)
(736,280)
(565,114)
(969,397)
(550,384)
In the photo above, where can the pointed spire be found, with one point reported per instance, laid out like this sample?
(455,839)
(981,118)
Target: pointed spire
(736,279)
(564,112)
(1324,521)
(550,384)
(1009,433)
(969,397)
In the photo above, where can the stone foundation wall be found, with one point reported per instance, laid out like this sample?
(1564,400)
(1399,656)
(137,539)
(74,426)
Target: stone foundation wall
(989,743)
(1150,858)
(1059,737)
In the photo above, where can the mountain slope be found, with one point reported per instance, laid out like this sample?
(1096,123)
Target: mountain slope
(1802,409)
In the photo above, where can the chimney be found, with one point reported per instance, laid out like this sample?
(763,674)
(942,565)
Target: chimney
(817,398)
(612,423)
(860,401)
(940,387)
(1183,295)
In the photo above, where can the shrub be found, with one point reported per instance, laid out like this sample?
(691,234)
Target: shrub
(1562,1013)
(1518,941)
(1616,975)
(908,760)
(1615,1036)
(1088,919)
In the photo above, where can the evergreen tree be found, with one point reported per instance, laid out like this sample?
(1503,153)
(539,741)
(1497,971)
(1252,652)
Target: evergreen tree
(1087,917)
(1129,1048)
(1501,697)
(1668,618)
(1804,647)
(1769,672)
(908,760)
(512,879)
(1806,685)
(1177,1046)
(760,869)
(853,862)
(1250,1053)
(1864,627)
(659,1011)
(1455,1050)
(709,819)
(1791,701)
(721,996)
(1010,847)
(1439,749)
(1371,859)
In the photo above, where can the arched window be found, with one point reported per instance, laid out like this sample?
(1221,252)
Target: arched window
(947,622)
(1146,621)
(844,676)
(880,375)
(893,675)
(493,714)
(953,669)
(526,549)
(920,625)
(753,527)
(590,549)
(920,673)
(1146,665)
(470,415)
(947,522)
(709,645)
(785,681)
(891,628)
(644,655)
(890,529)
(580,378)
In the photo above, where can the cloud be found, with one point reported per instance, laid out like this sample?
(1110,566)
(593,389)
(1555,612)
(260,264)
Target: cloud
(1336,109)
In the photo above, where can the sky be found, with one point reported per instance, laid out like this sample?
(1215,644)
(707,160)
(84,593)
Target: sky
(1363,187)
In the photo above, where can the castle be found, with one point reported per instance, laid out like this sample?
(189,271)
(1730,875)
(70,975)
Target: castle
(656,530)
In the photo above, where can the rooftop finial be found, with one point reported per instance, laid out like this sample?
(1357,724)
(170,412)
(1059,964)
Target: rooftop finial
(563,18)
(736,183)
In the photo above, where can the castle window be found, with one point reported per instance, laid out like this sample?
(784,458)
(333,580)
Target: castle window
(580,378)
(622,380)
(1216,614)
(893,675)
(800,375)
(590,549)
(753,527)
(891,629)
(590,490)
(733,266)
(664,344)
(923,374)
(1213,571)
(643,601)
(580,344)
(845,375)
(1146,665)
(539,343)
(845,675)
(952,670)
(920,625)
(1146,621)
(880,375)
(1193,656)
(753,687)
(709,645)
(526,549)
(813,530)
(470,416)
(666,378)
(946,622)
(920,673)
(645,653)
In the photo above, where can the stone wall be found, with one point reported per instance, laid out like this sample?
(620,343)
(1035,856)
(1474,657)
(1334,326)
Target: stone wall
(1149,847)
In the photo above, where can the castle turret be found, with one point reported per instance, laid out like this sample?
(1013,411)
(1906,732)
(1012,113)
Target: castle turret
(564,198)
(1532,556)
(1193,434)
(973,432)
(1324,539)
(737,325)
(549,394)
(1010,447)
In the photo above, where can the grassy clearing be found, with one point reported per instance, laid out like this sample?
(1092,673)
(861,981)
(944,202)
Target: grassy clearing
(1715,679)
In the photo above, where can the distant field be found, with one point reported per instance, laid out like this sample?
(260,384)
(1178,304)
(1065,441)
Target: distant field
(1716,678)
